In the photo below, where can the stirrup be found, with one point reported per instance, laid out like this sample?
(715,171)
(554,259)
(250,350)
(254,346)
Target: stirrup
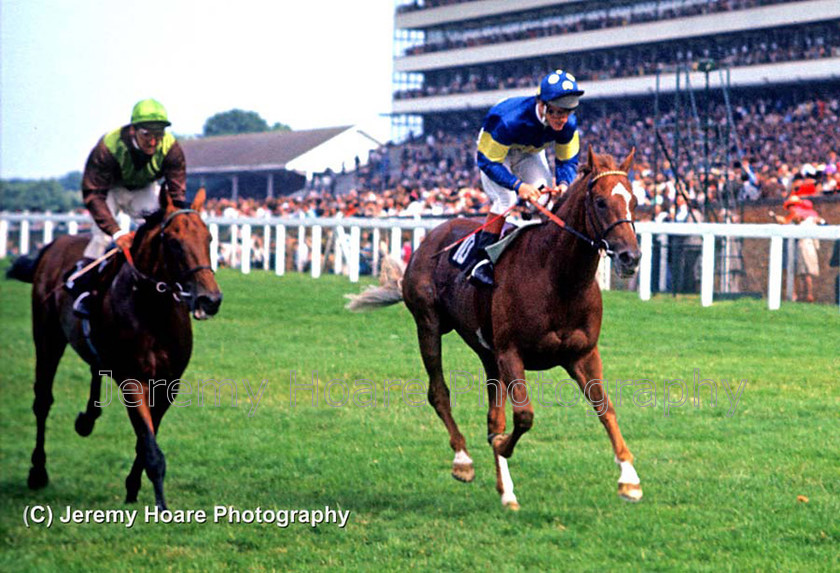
(80,305)
(482,273)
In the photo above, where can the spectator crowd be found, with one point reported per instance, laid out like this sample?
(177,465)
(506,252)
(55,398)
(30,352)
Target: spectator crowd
(743,49)
(775,150)
(569,19)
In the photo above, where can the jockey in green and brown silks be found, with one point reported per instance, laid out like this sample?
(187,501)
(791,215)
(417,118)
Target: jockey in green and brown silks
(122,173)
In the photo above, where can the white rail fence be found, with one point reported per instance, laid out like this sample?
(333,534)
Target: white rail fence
(345,245)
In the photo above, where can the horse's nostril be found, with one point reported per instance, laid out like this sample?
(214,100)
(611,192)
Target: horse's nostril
(210,304)
(630,257)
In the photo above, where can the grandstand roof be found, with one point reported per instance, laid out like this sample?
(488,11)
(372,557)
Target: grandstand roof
(460,11)
(268,151)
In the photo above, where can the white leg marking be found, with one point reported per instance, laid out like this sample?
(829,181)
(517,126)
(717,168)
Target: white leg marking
(628,473)
(461,457)
(507,483)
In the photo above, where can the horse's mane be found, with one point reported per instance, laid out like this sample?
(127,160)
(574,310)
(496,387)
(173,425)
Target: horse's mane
(150,222)
(603,162)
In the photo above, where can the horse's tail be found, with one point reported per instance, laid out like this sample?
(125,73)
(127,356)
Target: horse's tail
(23,267)
(387,293)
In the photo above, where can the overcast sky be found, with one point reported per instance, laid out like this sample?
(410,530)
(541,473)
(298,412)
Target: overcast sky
(70,70)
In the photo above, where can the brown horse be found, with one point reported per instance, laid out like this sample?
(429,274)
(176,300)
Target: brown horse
(545,311)
(141,336)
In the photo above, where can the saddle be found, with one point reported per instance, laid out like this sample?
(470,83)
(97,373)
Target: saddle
(93,282)
(461,257)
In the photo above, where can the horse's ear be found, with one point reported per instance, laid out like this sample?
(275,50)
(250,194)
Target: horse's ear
(627,164)
(164,200)
(198,202)
(589,166)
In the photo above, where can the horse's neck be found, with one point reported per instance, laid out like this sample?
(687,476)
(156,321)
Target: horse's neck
(141,301)
(137,294)
(571,261)
(148,256)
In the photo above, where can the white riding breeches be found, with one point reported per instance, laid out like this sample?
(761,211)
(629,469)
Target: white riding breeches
(531,168)
(136,204)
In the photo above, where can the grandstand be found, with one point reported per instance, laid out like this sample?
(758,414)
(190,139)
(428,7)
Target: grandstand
(456,59)
(727,83)
(744,93)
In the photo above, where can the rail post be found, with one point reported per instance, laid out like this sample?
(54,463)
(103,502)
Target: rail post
(49,228)
(646,271)
(4,238)
(266,251)
(24,236)
(280,250)
(246,249)
(774,286)
(355,252)
(707,277)
(316,251)
(214,246)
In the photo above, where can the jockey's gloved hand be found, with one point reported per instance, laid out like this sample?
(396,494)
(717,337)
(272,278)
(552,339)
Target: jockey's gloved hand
(528,192)
(124,240)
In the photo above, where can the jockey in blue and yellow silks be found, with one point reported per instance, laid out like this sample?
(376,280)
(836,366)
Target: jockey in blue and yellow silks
(511,154)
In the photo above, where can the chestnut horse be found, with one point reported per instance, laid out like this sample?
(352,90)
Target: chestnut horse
(544,311)
(141,335)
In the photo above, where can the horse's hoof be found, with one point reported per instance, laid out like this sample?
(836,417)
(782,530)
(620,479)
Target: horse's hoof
(463,472)
(630,492)
(131,494)
(84,425)
(512,506)
(38,478)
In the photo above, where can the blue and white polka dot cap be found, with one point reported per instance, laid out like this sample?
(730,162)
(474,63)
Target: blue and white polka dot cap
(560,89)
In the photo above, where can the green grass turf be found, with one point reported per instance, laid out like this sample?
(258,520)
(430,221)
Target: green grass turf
(720,490)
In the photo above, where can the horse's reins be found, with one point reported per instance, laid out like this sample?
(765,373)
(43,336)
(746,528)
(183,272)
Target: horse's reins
(92,264)
(86,269)
(479,228)
(178,292)
(162,287)
(163,225)
(602,236)
(600,243)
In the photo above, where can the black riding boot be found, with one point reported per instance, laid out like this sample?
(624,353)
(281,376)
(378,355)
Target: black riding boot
(80,287)
(482,271)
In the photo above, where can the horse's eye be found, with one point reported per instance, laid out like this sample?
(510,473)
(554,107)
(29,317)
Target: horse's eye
(601,203)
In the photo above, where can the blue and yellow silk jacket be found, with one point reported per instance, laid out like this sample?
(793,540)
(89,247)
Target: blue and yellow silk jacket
(513,124)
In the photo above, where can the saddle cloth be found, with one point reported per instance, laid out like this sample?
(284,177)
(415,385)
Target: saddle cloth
(461,258)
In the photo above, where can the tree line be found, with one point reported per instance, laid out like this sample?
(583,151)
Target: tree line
(56,195)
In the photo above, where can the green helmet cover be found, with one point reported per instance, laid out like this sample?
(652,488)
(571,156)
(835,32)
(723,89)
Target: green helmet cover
(149,111)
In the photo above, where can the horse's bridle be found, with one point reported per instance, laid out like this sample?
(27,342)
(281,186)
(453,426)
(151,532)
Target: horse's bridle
(162,287)
(600,242)
(163,225)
